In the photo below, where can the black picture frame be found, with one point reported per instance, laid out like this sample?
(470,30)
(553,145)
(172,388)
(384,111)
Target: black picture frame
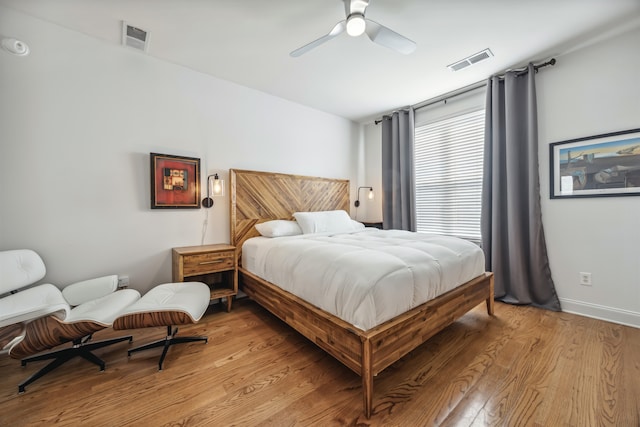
(596,166)
(175,182)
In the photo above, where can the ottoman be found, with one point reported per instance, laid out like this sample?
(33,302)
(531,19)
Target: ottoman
(167,305)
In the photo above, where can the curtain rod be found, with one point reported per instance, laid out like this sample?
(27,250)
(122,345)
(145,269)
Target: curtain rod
(471,87)
(444,97)
(524,71)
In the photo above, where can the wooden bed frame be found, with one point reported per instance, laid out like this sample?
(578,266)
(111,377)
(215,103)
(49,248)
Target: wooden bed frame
(261,196)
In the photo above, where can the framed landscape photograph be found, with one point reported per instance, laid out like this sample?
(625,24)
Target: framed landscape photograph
(594,166)
(175,182)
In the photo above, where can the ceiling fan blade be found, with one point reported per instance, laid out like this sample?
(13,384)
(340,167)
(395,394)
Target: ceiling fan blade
(388,38)
(337,30)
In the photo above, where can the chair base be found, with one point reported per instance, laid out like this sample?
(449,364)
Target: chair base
(167,342)
(80,348)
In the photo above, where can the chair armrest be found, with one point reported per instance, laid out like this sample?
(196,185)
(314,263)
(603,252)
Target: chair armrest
(88,290)
(32,303)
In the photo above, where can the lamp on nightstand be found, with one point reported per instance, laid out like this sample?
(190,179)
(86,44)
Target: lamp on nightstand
(370,196)
(215,188)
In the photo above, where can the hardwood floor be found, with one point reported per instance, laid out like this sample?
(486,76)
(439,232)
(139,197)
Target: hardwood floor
(523,367)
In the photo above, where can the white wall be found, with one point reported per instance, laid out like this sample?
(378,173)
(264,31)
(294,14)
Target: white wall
(78,119)
(371,210)
(590,91)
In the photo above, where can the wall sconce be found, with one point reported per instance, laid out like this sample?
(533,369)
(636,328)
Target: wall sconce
(369,196)
(215,188)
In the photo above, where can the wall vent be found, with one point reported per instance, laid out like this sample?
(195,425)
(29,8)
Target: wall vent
(470,60)
(135,37)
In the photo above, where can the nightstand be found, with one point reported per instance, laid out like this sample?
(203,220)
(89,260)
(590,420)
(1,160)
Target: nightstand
(214,265)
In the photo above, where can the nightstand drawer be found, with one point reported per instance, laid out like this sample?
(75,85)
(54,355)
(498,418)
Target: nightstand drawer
(214,265)
(208,263)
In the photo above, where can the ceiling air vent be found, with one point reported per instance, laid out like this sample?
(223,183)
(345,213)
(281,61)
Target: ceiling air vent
(470,60)
(135,37)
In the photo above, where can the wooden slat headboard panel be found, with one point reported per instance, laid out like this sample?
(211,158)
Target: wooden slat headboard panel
(261,196)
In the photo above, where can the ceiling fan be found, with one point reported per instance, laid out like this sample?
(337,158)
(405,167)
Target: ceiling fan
(355,24)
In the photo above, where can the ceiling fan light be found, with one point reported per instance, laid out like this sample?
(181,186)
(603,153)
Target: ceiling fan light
(355,24)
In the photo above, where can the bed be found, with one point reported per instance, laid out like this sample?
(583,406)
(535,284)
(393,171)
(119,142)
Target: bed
(257,197)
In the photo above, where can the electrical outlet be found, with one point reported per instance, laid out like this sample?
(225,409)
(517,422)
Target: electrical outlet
(123,282)
(585,279)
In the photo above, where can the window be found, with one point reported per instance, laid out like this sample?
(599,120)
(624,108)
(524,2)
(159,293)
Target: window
(448,168)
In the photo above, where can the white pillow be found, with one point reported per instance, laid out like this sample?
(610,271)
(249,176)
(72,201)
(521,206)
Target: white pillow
(357,225)
(324,222)
(278,228)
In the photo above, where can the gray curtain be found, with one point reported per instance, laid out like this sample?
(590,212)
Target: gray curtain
(512,233)
(398,180)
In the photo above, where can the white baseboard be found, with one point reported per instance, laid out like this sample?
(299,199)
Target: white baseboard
(610,314)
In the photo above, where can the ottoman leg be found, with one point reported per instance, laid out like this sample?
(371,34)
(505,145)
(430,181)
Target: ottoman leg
(167,342)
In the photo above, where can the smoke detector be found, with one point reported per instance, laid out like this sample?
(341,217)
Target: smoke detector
(470,60)
(135,37)
(15,46)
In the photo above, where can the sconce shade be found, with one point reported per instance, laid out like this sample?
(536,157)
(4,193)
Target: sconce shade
(215,188)
(370,195)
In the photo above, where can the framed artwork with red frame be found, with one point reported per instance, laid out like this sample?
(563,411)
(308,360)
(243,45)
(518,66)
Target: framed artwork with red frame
(175,182)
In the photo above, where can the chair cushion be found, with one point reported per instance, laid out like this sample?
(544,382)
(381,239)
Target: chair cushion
(88,290)
(104,310)
(32,303)
(19,268)
(190,298)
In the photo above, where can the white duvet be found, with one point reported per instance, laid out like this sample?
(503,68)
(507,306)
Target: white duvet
(364,277)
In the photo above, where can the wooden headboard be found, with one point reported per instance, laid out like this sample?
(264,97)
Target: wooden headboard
(261,196)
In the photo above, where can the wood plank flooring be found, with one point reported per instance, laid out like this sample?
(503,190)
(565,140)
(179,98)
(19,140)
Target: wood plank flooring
(523,367)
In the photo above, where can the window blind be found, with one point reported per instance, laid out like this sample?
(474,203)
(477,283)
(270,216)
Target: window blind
(448,175)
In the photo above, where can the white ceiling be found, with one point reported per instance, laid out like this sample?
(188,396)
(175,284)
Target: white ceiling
(248,42)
